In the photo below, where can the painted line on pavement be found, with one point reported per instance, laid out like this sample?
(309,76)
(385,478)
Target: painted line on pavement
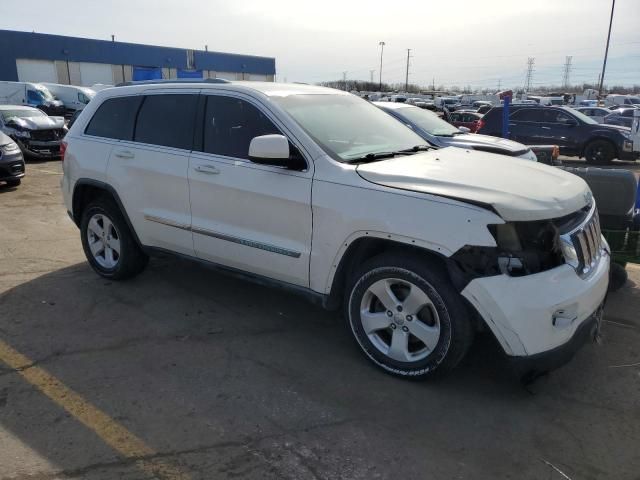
(110,432)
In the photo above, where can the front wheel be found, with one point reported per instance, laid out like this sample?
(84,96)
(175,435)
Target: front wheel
(600,152)
(406,316)
(14,182)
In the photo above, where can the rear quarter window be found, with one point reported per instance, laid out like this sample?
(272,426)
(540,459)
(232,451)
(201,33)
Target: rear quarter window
(115,118)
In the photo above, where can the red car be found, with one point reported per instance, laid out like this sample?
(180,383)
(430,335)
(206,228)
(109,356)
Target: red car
(471,120)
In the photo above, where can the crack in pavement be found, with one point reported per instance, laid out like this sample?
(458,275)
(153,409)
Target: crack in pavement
(249,444)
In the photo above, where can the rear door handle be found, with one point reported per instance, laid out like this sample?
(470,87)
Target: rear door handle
(208,169)
(124,154)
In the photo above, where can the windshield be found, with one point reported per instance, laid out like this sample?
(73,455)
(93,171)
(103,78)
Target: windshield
(46,94)
(581,116)
(23,113)
(427,121)
(347,127)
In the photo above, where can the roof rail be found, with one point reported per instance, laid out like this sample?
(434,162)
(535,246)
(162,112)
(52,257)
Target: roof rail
(172,80)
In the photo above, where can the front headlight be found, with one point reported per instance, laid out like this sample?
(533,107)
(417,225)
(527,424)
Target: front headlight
(569,252)
(626,135)
(9,147)
(22,134)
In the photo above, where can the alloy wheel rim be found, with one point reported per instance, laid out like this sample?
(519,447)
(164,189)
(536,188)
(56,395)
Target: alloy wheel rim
(400,320)
(104,241)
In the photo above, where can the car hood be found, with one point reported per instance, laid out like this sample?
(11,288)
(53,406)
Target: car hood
(606,126)
(517,191)
(477,140)
(36,123)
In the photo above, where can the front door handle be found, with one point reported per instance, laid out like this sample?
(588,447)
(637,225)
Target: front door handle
(124,154)
(208,169)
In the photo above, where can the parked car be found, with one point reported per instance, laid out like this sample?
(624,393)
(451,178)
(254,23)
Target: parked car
(419,246)
(481,103)
(74,98)
(575,133)
(588,103)
(11,162)
(448,103)
(615,100)
(439,133)
(595,113)
(621,116)
(30,94)
(470,120)
(484,109)
(427,105)
(37,134)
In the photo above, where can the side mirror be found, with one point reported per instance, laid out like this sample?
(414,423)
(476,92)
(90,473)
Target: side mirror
(274,150)
(464,129)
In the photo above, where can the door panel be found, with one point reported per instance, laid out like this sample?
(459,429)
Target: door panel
(150,170)
(255,218)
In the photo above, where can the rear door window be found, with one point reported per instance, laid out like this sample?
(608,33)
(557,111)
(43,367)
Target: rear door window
(528,115)
(167,120)
(115,118)
(231,124)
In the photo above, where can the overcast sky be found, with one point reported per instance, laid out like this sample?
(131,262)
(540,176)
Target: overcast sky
(459,42)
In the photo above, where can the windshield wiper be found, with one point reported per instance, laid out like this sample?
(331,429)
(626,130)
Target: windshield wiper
(415,149)
(375,156)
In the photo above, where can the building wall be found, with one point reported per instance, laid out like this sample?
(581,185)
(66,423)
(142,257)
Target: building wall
(80,61)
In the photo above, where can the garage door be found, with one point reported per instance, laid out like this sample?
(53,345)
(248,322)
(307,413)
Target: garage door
(91,73)
(36,71)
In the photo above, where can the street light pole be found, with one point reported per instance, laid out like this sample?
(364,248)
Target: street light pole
(606,51)
(382,44)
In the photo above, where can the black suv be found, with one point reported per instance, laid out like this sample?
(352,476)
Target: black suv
(575,133)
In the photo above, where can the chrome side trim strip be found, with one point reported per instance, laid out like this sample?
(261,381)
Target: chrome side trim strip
(169,223)
(247,243)
(229,238)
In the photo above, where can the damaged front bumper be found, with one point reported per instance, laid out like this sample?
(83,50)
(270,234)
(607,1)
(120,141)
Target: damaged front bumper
(534,314)
(38,148)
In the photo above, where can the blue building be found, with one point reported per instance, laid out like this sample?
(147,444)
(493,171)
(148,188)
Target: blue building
(38,57)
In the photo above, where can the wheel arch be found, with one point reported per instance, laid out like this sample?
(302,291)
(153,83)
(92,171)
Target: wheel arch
(365,245)
(600,137)
(86,190)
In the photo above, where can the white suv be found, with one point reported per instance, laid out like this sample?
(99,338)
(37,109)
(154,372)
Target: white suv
(323,193)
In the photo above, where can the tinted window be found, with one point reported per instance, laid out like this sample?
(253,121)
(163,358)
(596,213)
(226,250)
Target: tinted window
(627,113)
(115,118)
(528,115)
(554,116)
(230,124)
(167,120)
(33,96)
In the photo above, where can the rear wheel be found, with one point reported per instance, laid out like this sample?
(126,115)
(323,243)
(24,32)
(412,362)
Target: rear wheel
(407,317)
(600,152)
(108,243)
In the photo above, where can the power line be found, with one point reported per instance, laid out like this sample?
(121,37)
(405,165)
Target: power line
(567,71)
(530,63)
(406,81)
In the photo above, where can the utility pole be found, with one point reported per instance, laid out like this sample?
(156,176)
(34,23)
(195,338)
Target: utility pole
(371,72)
(344,80)
(567,71)
(499,84)
(382,44)
(530,63)
(406,80)
(606,51)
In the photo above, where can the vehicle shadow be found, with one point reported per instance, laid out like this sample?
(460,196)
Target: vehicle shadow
(208,370)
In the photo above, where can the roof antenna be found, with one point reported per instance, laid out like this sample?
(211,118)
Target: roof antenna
(113,38)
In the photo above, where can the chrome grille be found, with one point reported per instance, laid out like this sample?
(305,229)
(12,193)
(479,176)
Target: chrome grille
(587,241)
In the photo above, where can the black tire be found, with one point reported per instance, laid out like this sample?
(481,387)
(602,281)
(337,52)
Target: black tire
(617,277)
(132,260)
(600,152)
(453,319)
(14,182)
